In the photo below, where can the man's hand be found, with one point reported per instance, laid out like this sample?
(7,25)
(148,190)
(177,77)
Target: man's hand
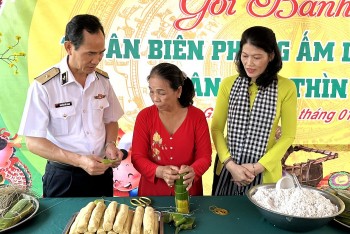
(93,164)
(114,154)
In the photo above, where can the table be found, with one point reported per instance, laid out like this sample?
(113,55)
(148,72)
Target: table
(243,217)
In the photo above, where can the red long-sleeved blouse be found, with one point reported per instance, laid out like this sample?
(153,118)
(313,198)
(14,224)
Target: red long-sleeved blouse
(152,145)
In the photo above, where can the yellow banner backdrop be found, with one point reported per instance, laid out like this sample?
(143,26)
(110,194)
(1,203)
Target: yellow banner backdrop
(202,37)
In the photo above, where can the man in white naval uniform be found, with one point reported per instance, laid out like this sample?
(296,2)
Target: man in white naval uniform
(71,117)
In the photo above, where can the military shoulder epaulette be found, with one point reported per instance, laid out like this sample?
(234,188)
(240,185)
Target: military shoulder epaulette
(103,73)
(48,75)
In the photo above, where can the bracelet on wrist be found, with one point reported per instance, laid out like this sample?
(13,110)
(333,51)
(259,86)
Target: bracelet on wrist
(109,143)
(227,160)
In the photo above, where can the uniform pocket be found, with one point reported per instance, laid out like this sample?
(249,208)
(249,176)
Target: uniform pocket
(61,118)
(98,107)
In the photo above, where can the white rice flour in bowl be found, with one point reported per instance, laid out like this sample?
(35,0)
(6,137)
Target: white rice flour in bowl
(293,209)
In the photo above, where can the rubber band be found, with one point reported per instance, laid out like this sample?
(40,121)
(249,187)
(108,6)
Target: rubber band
(218,210)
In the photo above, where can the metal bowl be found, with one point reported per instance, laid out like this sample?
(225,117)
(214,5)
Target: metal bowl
(295,223)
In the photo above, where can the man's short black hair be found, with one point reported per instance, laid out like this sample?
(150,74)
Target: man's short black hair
(75,28)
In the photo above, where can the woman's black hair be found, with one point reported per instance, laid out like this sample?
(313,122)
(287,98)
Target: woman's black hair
(265,39)
(75,28)
(176,78)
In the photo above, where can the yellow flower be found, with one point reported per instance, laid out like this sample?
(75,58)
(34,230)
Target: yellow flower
(156,137)
(11,59)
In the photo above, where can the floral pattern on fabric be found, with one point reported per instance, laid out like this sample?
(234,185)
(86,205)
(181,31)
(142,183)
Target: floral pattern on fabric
(157,146)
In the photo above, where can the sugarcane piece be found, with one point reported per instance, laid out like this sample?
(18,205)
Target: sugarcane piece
(19,211)
(182,201)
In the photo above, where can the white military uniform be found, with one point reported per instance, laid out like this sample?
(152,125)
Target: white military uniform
(72,117)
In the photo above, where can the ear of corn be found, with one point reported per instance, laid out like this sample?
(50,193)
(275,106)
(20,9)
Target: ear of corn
(19,211)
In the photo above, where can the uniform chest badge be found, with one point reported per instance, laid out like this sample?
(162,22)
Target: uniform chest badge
(63,104)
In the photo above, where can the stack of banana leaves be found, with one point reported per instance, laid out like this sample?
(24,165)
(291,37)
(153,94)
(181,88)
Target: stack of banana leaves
(14,206)
(344,195)
(181,221)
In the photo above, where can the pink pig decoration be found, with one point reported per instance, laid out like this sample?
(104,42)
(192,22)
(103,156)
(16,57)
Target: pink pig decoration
(12,170)
(126,177)
(7,147)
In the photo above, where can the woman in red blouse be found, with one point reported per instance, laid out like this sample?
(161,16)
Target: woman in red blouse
(170,137)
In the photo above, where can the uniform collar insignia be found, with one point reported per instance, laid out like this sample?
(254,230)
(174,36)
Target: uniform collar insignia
(64,78)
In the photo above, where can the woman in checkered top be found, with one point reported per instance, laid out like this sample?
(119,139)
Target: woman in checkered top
(251,105)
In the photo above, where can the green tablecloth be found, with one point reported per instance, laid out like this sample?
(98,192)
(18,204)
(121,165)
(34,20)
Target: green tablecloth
(54,214)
